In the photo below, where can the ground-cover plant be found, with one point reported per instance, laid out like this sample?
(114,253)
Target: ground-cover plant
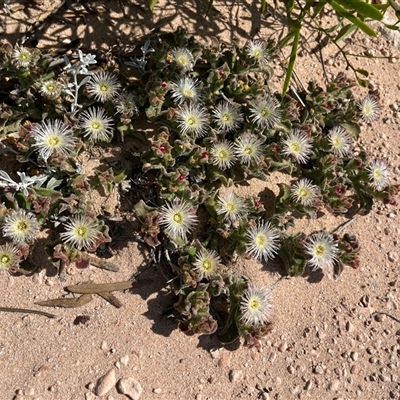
(216,125)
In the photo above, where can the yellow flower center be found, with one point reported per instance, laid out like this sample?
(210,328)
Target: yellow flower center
(261,240)
(254,304)
(104,88)
(303,192)
(367,110)
(337,142)
(182,60)
(24,56)
(82,231)
(22,226)
(96,125)
(177,218)
(188,93)
(5,259)
(231,207)
(248,150)
(320,250)
(295,147)
(51,87)
(191,121)
(377,174)
(223,155)
(207,265)
(257,53)
(225,118)
(53,141)
(265,112)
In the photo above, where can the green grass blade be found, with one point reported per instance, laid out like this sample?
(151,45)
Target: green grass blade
(292,60)
(153,4)
(263,6)
(363,8)
(209,7)
(356,21)
(344,32)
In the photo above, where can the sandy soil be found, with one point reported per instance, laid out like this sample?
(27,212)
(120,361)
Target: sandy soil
(331,339)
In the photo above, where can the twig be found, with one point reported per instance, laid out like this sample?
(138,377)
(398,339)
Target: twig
(385,313)
(105,287)
(341,227)
(27,311)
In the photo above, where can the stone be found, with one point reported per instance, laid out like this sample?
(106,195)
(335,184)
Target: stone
(225,359)
(105,383)
(393,256)
(334,385)
(235,375)
(354,355)
(130,387)
(318,370)
(124,360)
(283,347)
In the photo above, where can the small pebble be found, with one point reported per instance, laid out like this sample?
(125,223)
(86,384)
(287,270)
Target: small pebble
(318,370)
(29,392)
(124,360)
(214,353)
(130,387)
(37,279)
(334,386)
(349,327)
(105,383)
(393,256)
(225,359)
(90,396)
(157,391)
(290,369)
(104,345)
(235,375)
(354,355)
(308,385)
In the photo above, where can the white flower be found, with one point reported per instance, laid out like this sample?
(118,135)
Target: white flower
(96,124)
(223,154)
(186,89)
(50,89)
(26,181)
(322,249)
(193,120)
(262,241)
(81,232)
(256,305)
(340,141)
(9,257)
(369,108)
(298,146)
(379,174)
(257,50)
(53,137)
(183,58)
(248,148)
(22,57)
(206,263)
(227,116)
(21,227)
(103,86)
(304,192)
(233,207)
(178,218)
(125,104)
(265,112)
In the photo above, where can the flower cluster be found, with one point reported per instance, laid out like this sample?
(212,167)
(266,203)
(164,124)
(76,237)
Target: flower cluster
(213,124)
